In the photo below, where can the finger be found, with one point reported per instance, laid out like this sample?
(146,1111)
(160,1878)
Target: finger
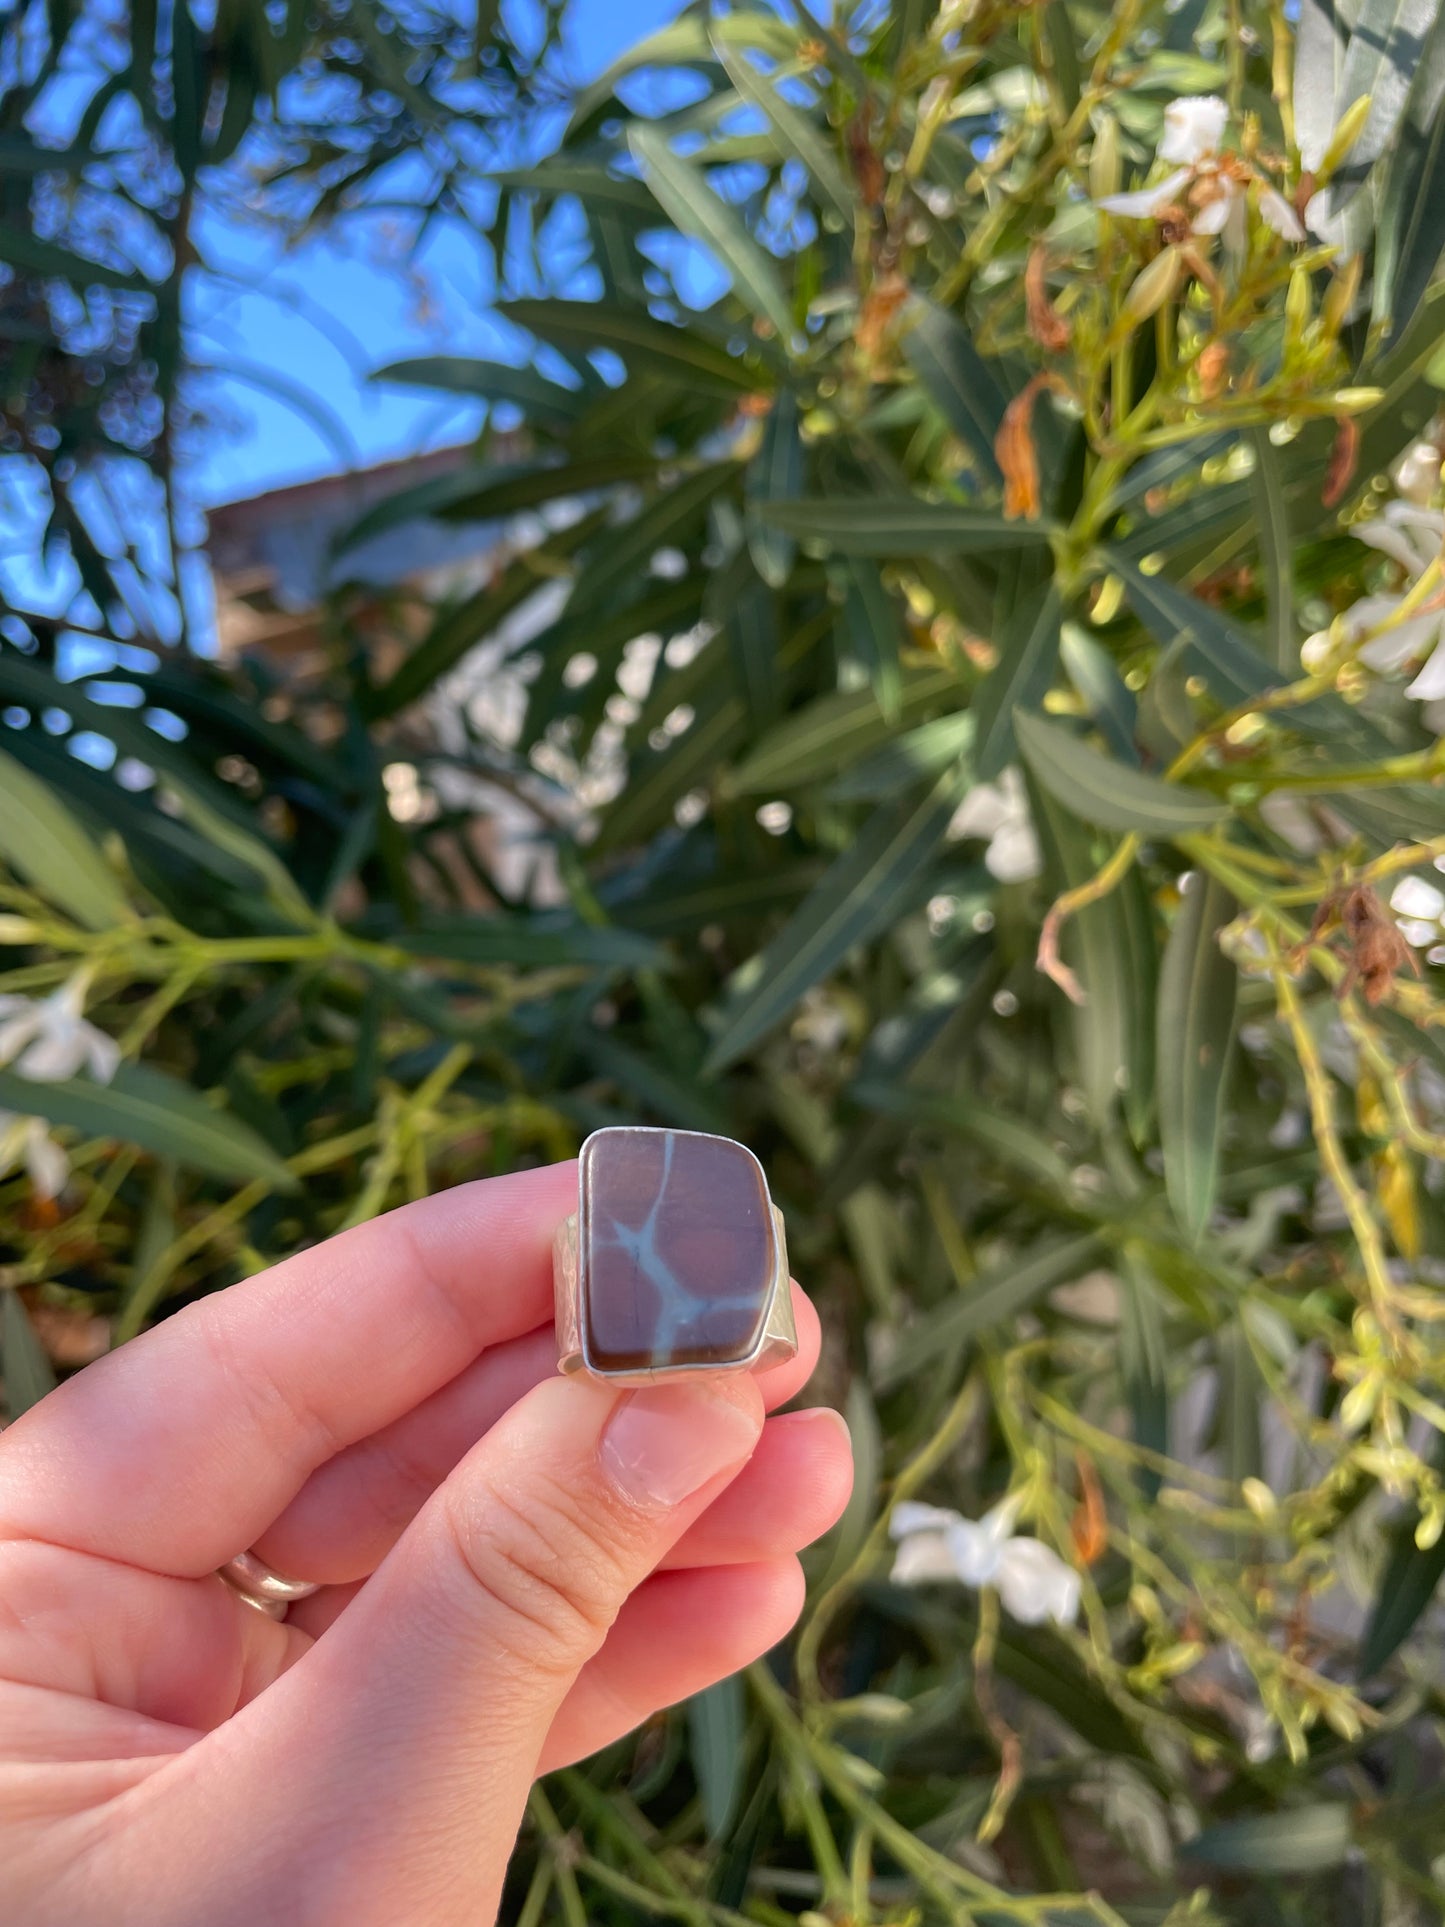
(678,1633)
(789,1493)
(353,1509)
(408,1736)
(178,1450)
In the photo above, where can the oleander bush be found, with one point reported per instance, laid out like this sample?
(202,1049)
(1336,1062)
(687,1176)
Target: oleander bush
(972,697)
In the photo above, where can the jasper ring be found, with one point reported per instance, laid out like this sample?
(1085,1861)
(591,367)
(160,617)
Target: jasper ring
(674,1262)
(261,1586)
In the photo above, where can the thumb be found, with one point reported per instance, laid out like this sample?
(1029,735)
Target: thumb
(410,1733)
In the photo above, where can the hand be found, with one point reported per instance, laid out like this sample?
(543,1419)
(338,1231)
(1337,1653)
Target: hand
(518,1568)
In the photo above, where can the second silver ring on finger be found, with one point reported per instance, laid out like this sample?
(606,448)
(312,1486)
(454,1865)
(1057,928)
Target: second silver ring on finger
(262,1587)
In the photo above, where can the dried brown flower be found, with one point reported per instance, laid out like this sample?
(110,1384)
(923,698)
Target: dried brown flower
(1341,469)
(1017,455)
(880,305)
(1374,948)
(1213,369)
(1045,323)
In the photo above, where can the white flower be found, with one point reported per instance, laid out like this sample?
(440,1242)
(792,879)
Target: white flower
(1033,1582)
(1277,214)
(1000,812)
(1212,184)
(27,1141)
(1413,537)
(48,1039)
(1193,127)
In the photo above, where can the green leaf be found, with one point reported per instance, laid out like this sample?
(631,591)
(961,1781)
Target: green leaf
(1381,59)
(159,1114)
(643,344)
(480,493)
(43,843)
(460,628)
(539,943)
(903,525)
(663,523)
(1321,39)
(832,732)
(1276,551)
(775,474)
(1209,644)
(593,186)
(683,194)
(278,885)
(1110,946)
(491,381)
(1303,1840)
(1144,1363)
(1028,653)
(748,613)
(799,133)
(871,623)
(862,893)
(1113,795)
(717,1738)
(27,1372)
(992,1298)
(1411,227)
(686,42)
(31,255)
(1407,1586)
(1006,1139)
(957,381)
(904,761)
(1198,994)
(1106,696)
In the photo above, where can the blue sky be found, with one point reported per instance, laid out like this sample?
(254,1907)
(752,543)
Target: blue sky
(315,320)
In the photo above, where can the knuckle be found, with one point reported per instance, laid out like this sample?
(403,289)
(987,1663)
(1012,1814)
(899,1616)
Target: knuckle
(551,1585)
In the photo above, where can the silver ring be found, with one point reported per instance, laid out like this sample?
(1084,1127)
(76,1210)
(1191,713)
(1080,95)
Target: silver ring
(261,1586)
(675,1261)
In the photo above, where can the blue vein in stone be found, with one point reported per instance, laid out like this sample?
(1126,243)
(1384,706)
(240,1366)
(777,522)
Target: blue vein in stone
(640,1246)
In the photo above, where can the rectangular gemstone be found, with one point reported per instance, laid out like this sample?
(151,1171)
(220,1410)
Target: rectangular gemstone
(678,1249)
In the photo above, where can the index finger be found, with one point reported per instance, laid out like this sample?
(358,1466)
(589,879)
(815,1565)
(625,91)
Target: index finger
(178,1450)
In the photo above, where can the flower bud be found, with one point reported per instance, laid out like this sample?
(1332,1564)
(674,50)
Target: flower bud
(1348,130)
(1152,288)
(1104,159)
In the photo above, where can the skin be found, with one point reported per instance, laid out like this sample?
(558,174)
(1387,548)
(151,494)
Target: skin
(512,1578)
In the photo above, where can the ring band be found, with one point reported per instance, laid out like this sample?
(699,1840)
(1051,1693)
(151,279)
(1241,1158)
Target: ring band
(261,1586)
(675,1261)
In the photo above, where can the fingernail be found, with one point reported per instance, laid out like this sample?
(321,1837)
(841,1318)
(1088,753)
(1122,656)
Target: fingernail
(663,1443)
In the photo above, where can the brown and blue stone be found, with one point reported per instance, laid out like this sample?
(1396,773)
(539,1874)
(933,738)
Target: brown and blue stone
(678,1250)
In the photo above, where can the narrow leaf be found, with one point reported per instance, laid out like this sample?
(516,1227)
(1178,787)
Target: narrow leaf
(863,892)
(717,1738)
(1028,654)
(1383,53)
(1302,1840)
(991,1299)
(42,842)
(159,1114)
(799,133)
(1114,795)
(27,1373)
(1198,992)
(871,623)
(775,474)
(1411,229)
(834,731)
(1276,552)
(684,195)
(904,525)
(644,344)
(1321,37)
(957,381)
